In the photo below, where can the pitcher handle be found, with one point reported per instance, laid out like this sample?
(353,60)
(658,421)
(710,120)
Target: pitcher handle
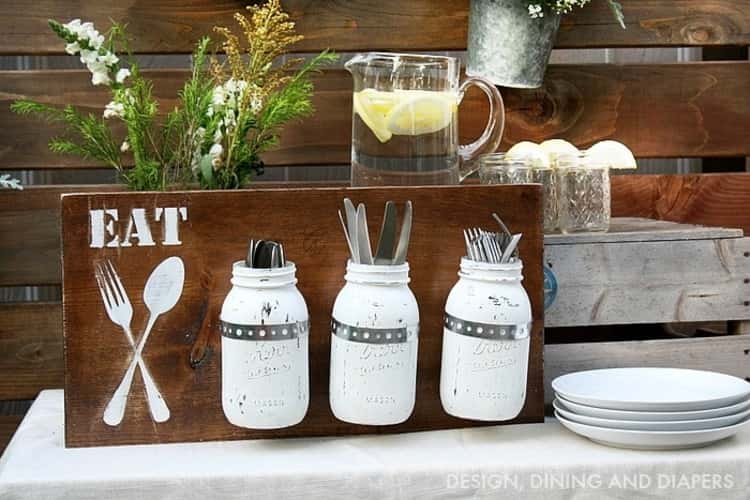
(493,132)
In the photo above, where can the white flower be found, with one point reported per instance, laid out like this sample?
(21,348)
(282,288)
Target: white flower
(100,78)
(73,26)
(114,110)
(95,39)
(216,150)
(99,73)
(229,120)
(218,136)
(109,59)
(125,147)
(231,85)
(218,97)
(85,29)
(210,111)
(121,75)
(89,56)
(72,48)
(200,133)
(535,11)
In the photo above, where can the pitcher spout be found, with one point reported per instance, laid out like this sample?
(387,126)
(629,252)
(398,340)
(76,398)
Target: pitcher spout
(356,62)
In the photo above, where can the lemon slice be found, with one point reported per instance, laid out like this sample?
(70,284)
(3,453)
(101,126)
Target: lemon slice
(530,152)
(420,112)
(614,153)
(379,101)
(372,109)
(558,147)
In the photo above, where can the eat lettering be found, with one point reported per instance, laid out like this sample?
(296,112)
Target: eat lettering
(106,225)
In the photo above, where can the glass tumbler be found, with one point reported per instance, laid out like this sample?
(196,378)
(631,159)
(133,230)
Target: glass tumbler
(498,169)
(548,179)
(583,194)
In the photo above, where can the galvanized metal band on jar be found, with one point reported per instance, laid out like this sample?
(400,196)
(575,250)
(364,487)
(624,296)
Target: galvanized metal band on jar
(264,333)
(487,331)
(372,335)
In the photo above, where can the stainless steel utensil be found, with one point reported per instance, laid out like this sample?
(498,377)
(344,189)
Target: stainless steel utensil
(511,248)
(384,252)
(490,247)
(363,236)
(351,220)
(403,240)
(355,257)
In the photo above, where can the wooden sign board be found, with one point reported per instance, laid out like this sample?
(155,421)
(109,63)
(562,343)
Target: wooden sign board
(208,231)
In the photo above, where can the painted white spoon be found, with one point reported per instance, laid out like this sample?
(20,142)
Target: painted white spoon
(161,293)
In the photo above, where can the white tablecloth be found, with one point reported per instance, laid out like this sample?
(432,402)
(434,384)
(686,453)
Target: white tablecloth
(541,461)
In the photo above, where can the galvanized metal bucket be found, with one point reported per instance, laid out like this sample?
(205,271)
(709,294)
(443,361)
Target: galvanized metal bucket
(506,45)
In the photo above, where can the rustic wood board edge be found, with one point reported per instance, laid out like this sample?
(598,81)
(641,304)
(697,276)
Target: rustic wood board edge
(533,412)
(639,229)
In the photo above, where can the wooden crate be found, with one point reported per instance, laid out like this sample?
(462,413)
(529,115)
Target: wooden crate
(648,271)
(662,110)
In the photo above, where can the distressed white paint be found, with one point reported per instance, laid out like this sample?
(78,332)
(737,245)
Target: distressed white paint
(104,226)
(688,275)
(485,379)
(265,383)
(172,217)
(375,384)
(138,228)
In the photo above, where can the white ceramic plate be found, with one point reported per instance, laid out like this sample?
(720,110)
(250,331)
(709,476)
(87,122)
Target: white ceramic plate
(652,416)
(652,389)
(651,440)
(679,425)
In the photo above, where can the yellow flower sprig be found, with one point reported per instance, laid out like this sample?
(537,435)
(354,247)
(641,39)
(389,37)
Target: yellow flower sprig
(254,97)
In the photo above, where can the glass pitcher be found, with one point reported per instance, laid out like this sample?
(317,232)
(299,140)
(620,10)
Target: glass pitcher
(405,120)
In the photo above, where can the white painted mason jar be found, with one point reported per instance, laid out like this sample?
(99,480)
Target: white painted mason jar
(374,337)
(486,336)
(264,349)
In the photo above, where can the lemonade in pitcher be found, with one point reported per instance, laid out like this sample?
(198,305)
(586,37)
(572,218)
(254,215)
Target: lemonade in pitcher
(405,120)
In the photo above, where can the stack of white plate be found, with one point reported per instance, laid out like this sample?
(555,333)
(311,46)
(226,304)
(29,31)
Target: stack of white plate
(652,408)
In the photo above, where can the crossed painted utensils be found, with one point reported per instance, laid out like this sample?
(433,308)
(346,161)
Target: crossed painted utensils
(161,293)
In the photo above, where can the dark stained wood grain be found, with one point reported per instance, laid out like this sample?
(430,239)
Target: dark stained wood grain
(671,110)
(31,256)
(709,199)
(30,221)
(219,224)
(32,349)
(169,26)
(30,225)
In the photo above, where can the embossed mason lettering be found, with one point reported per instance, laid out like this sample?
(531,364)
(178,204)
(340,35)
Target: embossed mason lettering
(106,227)
(485,347)
(379,351)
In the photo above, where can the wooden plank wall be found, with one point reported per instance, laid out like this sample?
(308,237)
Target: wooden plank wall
(685,110)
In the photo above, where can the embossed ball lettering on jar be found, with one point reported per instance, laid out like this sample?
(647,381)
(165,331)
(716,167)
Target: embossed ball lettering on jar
(486,343)
(264,349)
(374,337)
